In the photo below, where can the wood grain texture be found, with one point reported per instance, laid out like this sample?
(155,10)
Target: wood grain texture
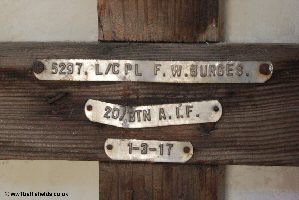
(123,181)
(159,21)
(259,125)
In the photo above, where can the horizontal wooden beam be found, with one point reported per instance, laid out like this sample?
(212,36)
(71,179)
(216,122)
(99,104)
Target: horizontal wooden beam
(259,126)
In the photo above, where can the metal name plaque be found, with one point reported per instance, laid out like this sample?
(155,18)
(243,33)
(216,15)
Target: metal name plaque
(153,71)
(153,115)
(148,150)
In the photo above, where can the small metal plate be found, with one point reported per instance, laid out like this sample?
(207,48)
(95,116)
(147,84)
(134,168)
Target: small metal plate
(154,71)
(153,115)
(148,150)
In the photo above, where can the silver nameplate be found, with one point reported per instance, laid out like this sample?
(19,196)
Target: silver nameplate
(153,115)
(148,150)
(154,71)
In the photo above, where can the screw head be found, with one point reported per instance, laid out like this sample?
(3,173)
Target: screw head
(265,69)
(109,147)
(89,107)
(38,67)
(187,149)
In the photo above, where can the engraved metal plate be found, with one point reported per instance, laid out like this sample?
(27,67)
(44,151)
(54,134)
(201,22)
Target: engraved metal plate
(153,115)
(154,71)
(148,150)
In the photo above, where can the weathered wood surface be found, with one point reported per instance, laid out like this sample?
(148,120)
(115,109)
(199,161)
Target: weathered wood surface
(159,182)
(156,20)
(259,126)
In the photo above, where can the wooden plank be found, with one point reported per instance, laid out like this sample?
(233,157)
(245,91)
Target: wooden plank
(125,182)
(259,126)
(159,21)
(142,181)
(160,181)
(111,187)
(157,183)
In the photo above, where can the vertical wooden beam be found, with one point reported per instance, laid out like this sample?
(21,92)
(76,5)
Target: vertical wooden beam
(121,181)
(159,21)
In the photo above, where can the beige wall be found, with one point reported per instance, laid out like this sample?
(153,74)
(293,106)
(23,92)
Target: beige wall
(48,20)
(266,21)
(261,183)
(79,180)
(76,20)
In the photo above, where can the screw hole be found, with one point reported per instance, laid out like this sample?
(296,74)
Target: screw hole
(89,107)
(109,147)
(216,108)
(187,149)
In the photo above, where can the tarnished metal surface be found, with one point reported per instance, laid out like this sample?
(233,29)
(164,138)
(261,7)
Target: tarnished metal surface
(153,115)
(154,71)
(148,150)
